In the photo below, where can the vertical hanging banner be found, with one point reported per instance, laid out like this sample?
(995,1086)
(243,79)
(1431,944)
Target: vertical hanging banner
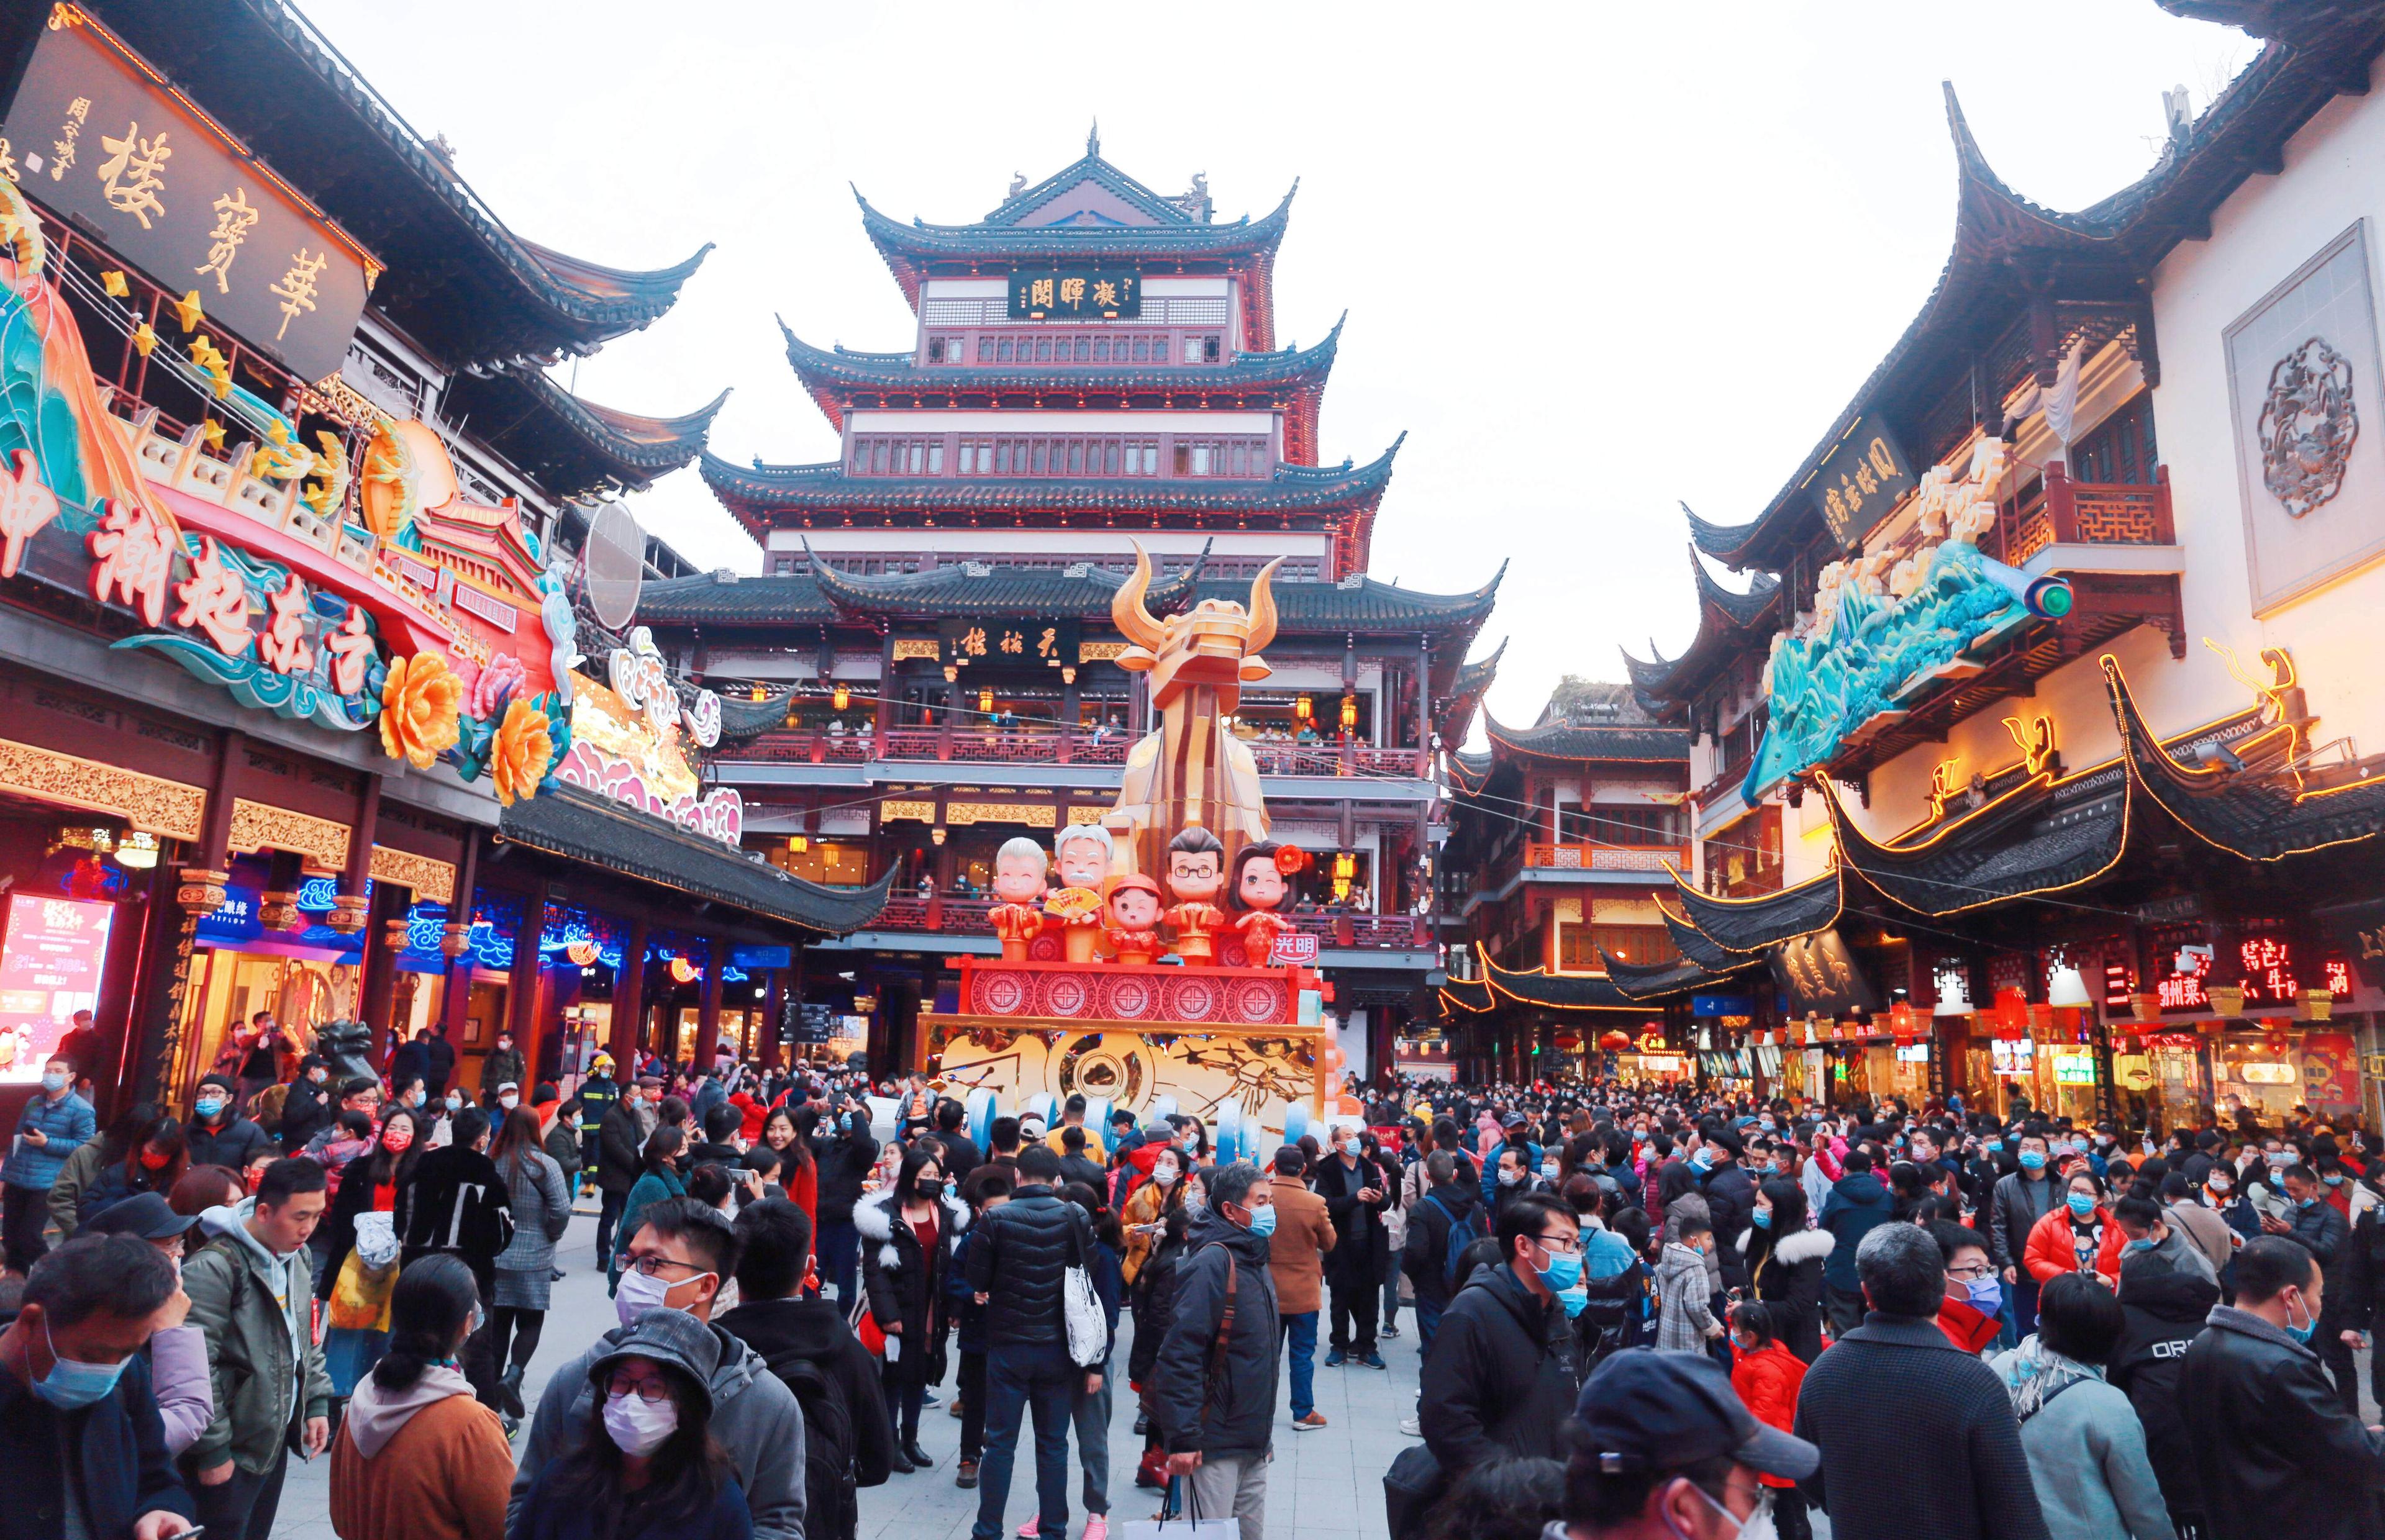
(97,135)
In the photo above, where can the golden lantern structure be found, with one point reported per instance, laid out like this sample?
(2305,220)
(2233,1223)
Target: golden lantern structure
(1349,712)
(1303,708)
(843,696)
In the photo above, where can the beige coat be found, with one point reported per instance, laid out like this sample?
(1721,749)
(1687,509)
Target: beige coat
(1297,1251)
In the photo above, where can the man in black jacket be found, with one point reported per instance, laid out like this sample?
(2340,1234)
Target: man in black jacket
(2018,1200)
(1355,1194)
(2164,1306)
(2278,1453)
(464,1209)
(961,1153)
(1505,1367)
(848,1440)
(845,1161)
(1017,1263)
(1898,1382)
(218,1135)
(1449,1203)
(307,1109)
(1730,1198)
(2357,1297)
(438,1063)
(1213,1388)
(620,1145)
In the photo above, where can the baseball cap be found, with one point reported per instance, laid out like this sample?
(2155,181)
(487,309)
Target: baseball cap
(1650,1410)
(144,1216)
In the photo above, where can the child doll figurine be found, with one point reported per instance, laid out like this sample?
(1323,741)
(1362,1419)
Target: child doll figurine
(1134,919)
(1196,870)
(1082,851)
(1019,872)
(1262,884)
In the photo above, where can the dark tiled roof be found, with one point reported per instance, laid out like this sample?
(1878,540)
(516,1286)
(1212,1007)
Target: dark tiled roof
(742,716)
(1091,167)
(1588,742)
(1726,619)
(1646,983)
(1470,995)
(1752,924)
(754,494)
(1364,601)
(571,446)
(580,826)
(833,374)
(1696,946)
(971,588)
(1555,991)
(459,283)
(1464,697)
(2030,841)
(787,599)
(2258,816)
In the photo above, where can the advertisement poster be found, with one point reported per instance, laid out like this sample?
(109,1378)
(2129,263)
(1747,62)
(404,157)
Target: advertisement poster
(49,968)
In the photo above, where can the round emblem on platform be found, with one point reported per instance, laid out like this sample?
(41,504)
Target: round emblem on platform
(1002,994)
(1232,954)
(1190,1000)
(1257,1002)
(1129,997)
(1066,995)
(1045,948)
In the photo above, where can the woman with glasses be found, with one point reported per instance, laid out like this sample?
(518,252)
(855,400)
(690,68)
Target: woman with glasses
(646,1465)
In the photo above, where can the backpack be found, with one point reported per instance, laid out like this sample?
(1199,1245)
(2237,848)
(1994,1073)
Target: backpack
(1463,1233)
(832,1489)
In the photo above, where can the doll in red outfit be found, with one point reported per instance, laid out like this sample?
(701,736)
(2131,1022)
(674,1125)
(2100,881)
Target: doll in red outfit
(1262,884)
(1018,879)
(1196,870)
(1133,907)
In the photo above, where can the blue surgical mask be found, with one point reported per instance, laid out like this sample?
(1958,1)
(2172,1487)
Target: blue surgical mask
(1575,1299)
(2082,1204)
(2333,1178)
(54,1082)
(1701,1160)
(2031,1160)
(2305,1331)
(1563,1272)
(1761,1218)
(1987,1294)
(208,1105)
(1262,1220)
(1350,1147)
(1549,1171)
(1992,1146)
(2136,1247)
(71,1384)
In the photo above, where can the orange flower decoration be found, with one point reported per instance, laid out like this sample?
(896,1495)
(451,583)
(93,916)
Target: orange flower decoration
(1290,859)
(518,757)
(418,705)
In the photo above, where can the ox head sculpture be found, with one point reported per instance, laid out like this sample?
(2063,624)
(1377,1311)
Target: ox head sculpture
(1216,643)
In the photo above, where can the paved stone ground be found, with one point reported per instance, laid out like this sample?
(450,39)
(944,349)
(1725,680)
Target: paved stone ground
(1326,1483)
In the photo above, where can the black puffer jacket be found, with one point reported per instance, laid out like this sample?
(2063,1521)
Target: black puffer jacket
(1231,1413)
(1730,1200)
(2165,1311)
(1364,1254)
(1153,1294)
(1426,1257)
(844,1162)
(1020,1251)
(2278,1454)
(1503,1374)
(2356,1288)
(620,1141)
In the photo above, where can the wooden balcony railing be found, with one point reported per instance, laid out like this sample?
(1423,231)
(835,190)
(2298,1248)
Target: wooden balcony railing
(2088,512)
(1606,858)
(970,744)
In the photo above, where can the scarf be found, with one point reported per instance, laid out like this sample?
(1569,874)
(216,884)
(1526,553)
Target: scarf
(2035,1374)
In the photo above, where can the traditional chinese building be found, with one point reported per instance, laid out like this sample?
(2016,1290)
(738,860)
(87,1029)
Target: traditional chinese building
(296,715)
(2037,745)
(1561,834)
(928,661)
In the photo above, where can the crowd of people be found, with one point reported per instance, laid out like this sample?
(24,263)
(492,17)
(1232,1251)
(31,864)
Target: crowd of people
(1639,1309)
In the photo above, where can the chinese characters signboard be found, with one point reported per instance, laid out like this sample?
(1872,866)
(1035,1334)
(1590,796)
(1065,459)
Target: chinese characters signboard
(1053,294)
(1816,973)
(1052,644)
(1860,481)
(92,138)
(2269,968)
(49,970)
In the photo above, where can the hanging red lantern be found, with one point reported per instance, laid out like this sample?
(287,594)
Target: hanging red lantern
(1614,1041)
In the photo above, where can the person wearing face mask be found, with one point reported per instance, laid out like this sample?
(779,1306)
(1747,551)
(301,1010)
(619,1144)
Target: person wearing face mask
(908,1232)
(2203,1224)
(55,1124)
(417,1457)
(647,1463)
(307,1110)
(2277,1453)
(1213,1385)
(675,1259)
(2163,1308)
(2086,1448)
(1767,1377)
(1148,1204)
(1303,1238)
(219,1134)
(80,1434)
(1505,1365)
(501,1066)
(620,1138)
(846,1158)
(1357,1193)
(2018,1201)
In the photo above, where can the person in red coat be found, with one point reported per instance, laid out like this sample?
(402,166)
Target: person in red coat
(1767,1377)
(2079,1236)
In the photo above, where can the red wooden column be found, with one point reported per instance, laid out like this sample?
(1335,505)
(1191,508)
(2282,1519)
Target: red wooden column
(457,940)
(629,1003)
(766,1047)
(707,1010)
(522,1005)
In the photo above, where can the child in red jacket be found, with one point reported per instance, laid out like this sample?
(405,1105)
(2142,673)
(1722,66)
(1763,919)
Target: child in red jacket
(1767,1377)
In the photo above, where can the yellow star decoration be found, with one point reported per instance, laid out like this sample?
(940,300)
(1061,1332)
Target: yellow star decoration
(212,431)
(113,281)
(187,310)
(144,338)
(213,363)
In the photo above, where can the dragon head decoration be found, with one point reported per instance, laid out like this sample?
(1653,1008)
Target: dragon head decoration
(1216,643)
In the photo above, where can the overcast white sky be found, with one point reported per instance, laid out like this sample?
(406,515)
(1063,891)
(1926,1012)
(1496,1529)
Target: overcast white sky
(1598,259)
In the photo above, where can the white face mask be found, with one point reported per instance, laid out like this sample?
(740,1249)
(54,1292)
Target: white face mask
(509,1101)
(1757,1525)
(639,1427)
(638,1294)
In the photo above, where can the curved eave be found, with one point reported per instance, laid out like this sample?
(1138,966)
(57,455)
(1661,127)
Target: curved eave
(785,599)
(2264,819)
(1747,925)
(1722,542)
(952,590)
(2022,849)
(570,446)
(1632,744)
(1696,946)
(1650,983)
(1472,997)
(755,495)
(1463,696)
(833,375)
(646,293)
(1554,991)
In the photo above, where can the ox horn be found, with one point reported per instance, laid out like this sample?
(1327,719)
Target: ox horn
(1262,609)
(1127,610)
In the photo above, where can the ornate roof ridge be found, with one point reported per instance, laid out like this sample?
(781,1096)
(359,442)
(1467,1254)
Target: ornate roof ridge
(1089,167)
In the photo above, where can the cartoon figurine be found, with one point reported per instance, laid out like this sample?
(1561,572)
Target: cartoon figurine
(1134,919)
(1019,870)
(1196,870)
(1262,874)
(1082,851)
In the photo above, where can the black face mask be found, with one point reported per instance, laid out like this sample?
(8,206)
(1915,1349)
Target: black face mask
(927,1192)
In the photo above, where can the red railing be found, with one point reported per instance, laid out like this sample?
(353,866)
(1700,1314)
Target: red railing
(1606,858)
(975,745)
(2088,512)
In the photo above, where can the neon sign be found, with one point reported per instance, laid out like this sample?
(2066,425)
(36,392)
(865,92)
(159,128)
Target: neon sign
(49,968)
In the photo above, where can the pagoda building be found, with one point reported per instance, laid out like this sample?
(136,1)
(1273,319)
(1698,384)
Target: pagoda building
(927,666)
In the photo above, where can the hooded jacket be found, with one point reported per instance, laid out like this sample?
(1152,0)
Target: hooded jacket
(755,1417)
(1787,1277)
(264,1368)
(2164,1310)
(1502,1376)
(1231,1413)
(2277,1453)
(427,1462)
(814,1329)
(1859,1204)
